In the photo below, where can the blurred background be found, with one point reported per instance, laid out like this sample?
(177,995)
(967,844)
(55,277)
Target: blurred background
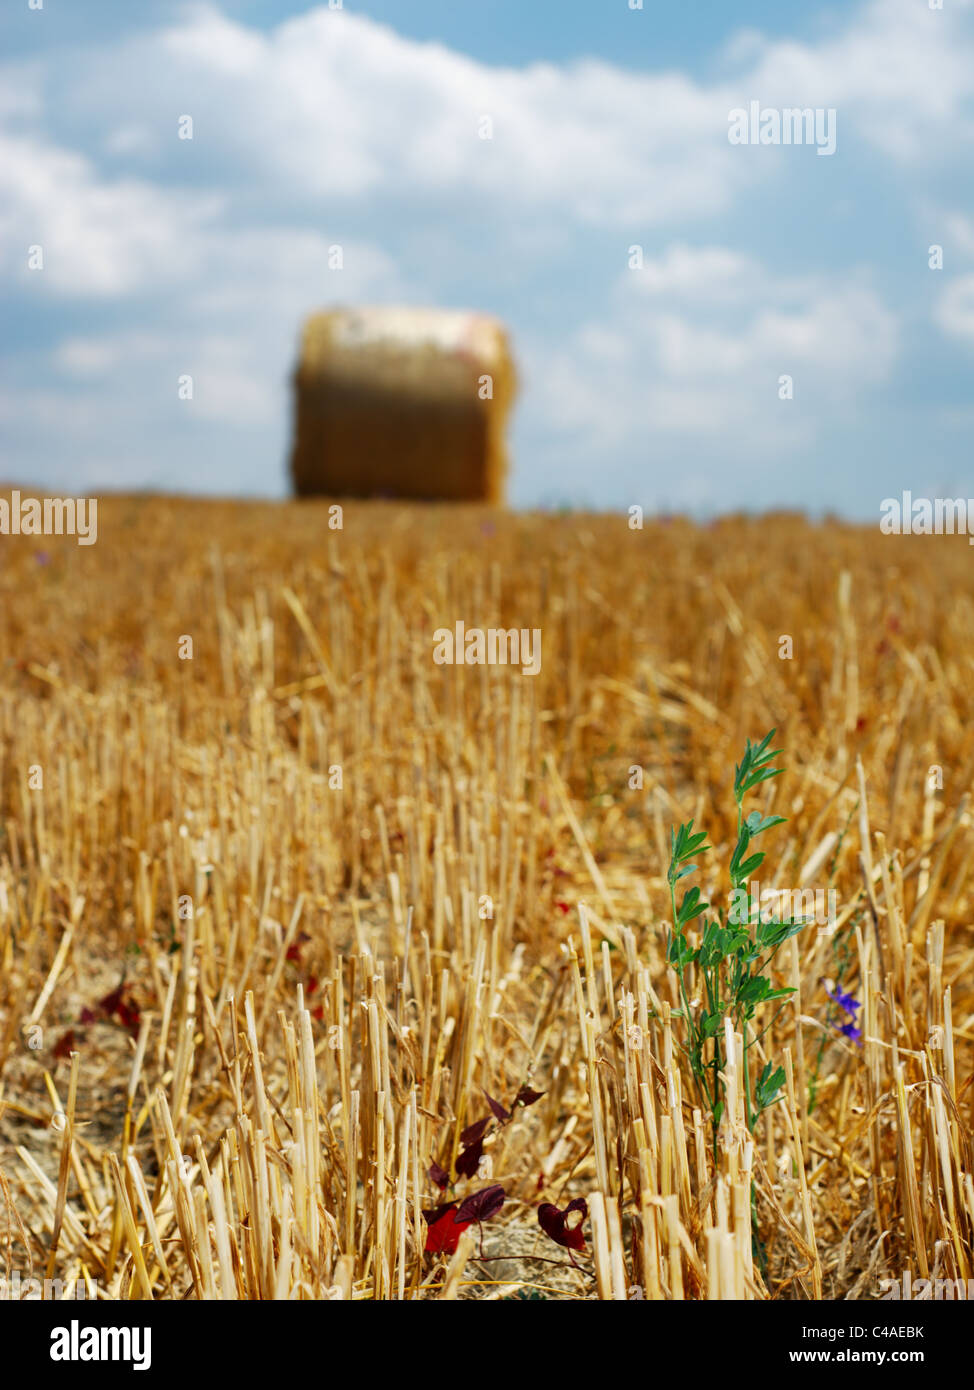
(505,158)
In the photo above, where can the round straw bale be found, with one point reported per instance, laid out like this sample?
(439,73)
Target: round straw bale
(409,403)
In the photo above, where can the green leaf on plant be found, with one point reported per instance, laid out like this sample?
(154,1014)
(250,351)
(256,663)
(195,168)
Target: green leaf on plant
(768,1085)
(692,906)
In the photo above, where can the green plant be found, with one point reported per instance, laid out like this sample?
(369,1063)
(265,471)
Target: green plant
(731,958)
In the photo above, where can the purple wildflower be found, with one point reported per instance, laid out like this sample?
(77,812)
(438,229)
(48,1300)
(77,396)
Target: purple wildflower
(850,1031)
(844,1000)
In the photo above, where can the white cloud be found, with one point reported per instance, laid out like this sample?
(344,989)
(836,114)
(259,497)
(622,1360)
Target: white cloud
(99,237)
(901,73)
(236,331)
(331,104)
(960,229)
(128,140)
(231,383)
(681,354)
(955,309)
(90,357)
(715,311)
(707,273)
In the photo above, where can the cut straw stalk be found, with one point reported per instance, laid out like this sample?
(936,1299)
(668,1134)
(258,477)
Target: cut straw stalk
(210,780)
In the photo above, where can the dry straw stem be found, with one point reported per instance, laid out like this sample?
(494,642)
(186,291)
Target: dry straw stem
(289,841)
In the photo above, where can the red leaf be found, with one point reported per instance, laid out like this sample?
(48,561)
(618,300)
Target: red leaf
(554,1223)
(443,1231)
(469,1160)
(129,1016)
(111,1002)
(296,947)
(439,1175)
(65,1045)
(526,1096)
(498,1110)
(474,1132)
(482,1205)
(431,1215)
(118,1004)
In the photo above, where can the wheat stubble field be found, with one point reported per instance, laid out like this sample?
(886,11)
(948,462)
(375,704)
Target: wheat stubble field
(292,928)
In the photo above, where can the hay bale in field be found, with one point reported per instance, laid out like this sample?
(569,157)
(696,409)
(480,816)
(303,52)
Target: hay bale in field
(408,403)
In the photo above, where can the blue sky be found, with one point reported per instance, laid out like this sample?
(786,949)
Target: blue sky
(501,32)
(313,127)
